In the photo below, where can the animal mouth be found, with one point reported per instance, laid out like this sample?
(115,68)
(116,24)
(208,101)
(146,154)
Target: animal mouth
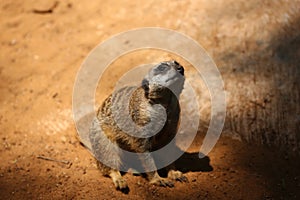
(171,79)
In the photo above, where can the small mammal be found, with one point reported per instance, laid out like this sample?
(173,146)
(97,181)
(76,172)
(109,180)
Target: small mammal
(162,85)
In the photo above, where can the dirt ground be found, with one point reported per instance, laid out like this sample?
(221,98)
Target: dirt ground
(43,44)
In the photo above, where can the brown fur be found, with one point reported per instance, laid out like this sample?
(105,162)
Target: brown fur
(141,103)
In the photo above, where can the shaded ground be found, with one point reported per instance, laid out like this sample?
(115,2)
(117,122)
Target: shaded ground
(41,53)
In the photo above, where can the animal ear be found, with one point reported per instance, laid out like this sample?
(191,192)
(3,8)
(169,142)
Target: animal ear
(145,85)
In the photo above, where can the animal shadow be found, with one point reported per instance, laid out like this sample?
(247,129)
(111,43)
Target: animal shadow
(190,162)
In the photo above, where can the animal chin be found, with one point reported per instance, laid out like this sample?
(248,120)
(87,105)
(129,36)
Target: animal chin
(156,94)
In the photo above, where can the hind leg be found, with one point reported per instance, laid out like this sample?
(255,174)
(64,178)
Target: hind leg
(153,176)
(114,174)
(176,175)
(108,152)
(116,177)
(155,179)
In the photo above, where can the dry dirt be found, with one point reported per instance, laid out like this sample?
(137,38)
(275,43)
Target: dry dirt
(43,44)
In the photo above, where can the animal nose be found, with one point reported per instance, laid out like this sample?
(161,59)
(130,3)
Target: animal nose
(180,70)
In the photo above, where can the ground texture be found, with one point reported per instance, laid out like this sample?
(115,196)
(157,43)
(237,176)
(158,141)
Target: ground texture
(43,44)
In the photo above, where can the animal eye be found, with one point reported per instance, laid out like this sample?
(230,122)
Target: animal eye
(180,70)
(162,67)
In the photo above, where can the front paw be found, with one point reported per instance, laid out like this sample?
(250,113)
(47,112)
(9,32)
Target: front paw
(163,182)
(177,176)
(121,185)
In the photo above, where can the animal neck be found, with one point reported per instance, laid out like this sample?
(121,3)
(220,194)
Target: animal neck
(166,101)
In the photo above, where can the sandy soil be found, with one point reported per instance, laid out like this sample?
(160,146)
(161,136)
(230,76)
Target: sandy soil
(43,44)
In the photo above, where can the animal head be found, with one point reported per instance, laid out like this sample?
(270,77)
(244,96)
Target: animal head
(162,78)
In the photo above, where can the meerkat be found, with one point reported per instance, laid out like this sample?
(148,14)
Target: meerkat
(161,86)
